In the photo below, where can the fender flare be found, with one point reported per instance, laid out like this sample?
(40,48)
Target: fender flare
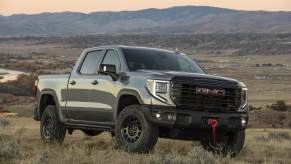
(126,92)
(54,95)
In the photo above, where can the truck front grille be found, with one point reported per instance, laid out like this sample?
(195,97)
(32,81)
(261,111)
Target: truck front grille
(185,95)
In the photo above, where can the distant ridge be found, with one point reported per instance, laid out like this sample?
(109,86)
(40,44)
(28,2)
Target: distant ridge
(183,19)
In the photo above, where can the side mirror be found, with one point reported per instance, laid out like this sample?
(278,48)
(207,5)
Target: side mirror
(108,69)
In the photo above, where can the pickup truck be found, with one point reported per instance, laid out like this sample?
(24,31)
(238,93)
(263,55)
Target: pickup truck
(140,94)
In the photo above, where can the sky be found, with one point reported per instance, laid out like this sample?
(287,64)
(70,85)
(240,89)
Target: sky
(9,7)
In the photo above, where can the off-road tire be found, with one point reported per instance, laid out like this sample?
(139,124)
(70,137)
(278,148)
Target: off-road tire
(56,131)
(234,144)
(148,136)
(91,132)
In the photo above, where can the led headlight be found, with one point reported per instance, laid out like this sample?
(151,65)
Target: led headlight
(244,99)
(159,89)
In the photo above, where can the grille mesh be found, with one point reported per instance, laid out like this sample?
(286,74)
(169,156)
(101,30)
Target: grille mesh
(184,95)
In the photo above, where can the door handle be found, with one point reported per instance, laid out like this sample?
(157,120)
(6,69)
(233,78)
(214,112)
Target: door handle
(95,82)
(73,82)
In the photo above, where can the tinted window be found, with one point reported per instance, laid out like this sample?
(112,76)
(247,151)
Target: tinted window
(90,63)
(151,59)
(112,58)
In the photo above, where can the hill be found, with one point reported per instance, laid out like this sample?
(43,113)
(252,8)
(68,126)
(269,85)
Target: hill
(185,19)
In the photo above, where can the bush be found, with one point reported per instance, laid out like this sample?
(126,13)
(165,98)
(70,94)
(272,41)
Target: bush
(9,150)
(200,156)
(4,123)
(275,136)
(23,86)
(280,105)
(57,154)
(253,108)
(279,136)
(48,156)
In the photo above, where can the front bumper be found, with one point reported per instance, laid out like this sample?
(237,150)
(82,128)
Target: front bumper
(171,117)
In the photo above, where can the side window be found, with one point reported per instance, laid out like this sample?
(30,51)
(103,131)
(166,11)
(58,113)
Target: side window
(112,58)
(91,61)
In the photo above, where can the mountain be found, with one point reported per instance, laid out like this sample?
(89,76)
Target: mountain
(184,19)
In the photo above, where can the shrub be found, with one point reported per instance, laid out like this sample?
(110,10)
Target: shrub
(4,123)
(253,108)
(267,106)
(200,156)
(48,156)
(279,136)
(164,158)
(57,154)
(23,86)
(275,136)
(280,105)
(9,150)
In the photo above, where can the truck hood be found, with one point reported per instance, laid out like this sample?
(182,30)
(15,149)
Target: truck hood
(185,76)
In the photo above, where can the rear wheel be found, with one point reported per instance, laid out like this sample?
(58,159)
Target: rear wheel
(133,132)
(51,129)
(231,143)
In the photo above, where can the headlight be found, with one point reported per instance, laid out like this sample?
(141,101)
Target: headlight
(244,99)
(159,89)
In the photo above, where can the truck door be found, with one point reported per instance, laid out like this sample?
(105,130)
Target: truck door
(79,104)
(105,92)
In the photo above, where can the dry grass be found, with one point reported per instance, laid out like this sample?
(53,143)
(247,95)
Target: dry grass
(4,123)
(19,142)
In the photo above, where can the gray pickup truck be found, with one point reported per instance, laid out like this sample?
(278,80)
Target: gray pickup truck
(139,94)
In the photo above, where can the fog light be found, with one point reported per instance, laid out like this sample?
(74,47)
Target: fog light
(171,117)
(243,122)
(174,117)
(158,116)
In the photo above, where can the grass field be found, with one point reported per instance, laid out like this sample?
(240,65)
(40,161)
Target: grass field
(225,55)
(20,143)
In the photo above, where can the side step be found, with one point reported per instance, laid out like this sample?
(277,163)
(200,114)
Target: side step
(88,127)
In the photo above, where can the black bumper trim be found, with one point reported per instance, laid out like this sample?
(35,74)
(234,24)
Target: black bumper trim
(194,119)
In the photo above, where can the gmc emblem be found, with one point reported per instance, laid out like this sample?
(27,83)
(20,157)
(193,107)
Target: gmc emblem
(210,92)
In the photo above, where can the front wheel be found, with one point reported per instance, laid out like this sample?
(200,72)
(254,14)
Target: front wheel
(133,132)
(51,129)
(231,143)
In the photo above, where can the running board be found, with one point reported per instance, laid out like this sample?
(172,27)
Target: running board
(87,127)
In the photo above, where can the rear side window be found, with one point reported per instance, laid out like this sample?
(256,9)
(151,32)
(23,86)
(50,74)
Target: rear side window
(91,61)
(112,58)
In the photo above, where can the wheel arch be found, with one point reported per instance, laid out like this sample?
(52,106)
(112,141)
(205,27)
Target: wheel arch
(48,97)
(125,98)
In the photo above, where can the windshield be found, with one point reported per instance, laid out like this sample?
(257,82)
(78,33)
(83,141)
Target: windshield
(151,59)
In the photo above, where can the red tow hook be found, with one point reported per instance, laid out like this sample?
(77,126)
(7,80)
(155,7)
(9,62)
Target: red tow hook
(213,123)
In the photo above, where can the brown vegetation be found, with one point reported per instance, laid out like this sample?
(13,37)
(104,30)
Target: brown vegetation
(280,105)
(233,55)
(276,115)
(20,142)
(23,86)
